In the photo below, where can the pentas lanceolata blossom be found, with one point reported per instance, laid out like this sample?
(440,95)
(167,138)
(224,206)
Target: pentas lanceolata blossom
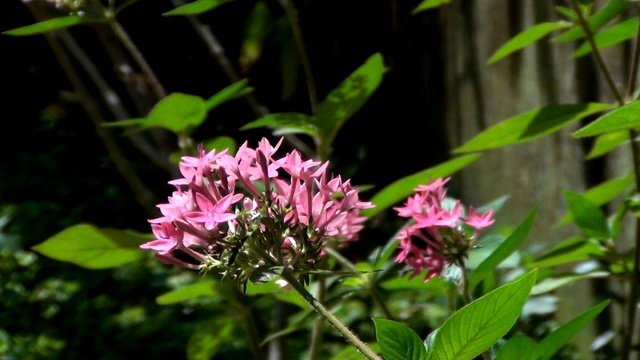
(436,236)
(235,214)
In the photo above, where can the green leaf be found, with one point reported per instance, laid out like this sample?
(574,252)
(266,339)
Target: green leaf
(236,90)
(429,4)
(49,25)
(554,341)
(435,286)
(346,99)
(587,215)
(606,143)
(398,342)
(623,118)
(598,20)
(526,38)
(178,112)
(531,125)
(384,254)
(554,283)
(602,194)
(221,143)
(511,244)
(210,337)
(352,353)
(291,122)
(90,247)
(569,251)
(519,347)
(199,289)
(196,7)
(402,188)
(614,35)
(568,13)
(480,324)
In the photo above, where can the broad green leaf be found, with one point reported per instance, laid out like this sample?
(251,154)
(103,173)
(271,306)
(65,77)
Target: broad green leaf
(519,347)
(178,112)
(598,20)
(602,194)
(587,215)
(294,122)
(429,4)
(199,289)
(402,188)
(510,245)
(49,25)
(480,324)
(435,286)
(485,247)
(346,99)
(526,38)
(531,125)
(569,251)
(559,337)
(614,35)
(90,247)
(569,13)
(623,118)
(196,7)
(398,342)
(554,283)
(221,143)
(607,142)
(211,336)
(236,90)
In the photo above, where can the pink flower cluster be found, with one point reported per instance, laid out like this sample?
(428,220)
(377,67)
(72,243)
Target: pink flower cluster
(436,236)
(237,213)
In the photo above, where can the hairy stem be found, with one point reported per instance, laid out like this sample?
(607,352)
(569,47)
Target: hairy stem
(288,275)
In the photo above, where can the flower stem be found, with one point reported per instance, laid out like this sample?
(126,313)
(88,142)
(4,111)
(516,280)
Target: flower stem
(288,275)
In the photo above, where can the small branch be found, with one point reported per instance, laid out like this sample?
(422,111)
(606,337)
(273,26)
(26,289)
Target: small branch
(288,275)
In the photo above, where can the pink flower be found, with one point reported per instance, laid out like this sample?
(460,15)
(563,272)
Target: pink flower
(478,221)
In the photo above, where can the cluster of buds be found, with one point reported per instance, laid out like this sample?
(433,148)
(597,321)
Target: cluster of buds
(436,236)
(236,214)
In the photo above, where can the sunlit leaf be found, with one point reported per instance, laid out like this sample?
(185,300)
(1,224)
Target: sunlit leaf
(402,188)
(49,25)
(554,283)
(435,286)
(626,117)
(519,347)
(531,125)
(236,90)
(612,9)
(526,38)
(511,244)
(196,7)
(587,215)
(90,247)
(429,4)
(560,336)
(221,143)
(398,342)
(606,143)
(199,289)
(569,251)
(477,326)
(614,35)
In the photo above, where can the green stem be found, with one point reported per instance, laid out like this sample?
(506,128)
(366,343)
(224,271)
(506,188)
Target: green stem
(288,275)
(630,318)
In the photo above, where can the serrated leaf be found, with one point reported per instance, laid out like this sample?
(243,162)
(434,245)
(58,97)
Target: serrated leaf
(398,342)
(598,20)
(614,35)
(296,122)
(402,188)
(559,337)
(510,245)
(196,7)
(602,194)
(480,324)
(531,125)
(606,143)
(569,251)
(90,247)
(429,4)
(347,98)
(519,347)
(623,118)
(526,38)
(209,337)
(199,289)
(236,90)
(49,25)
(587,215)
